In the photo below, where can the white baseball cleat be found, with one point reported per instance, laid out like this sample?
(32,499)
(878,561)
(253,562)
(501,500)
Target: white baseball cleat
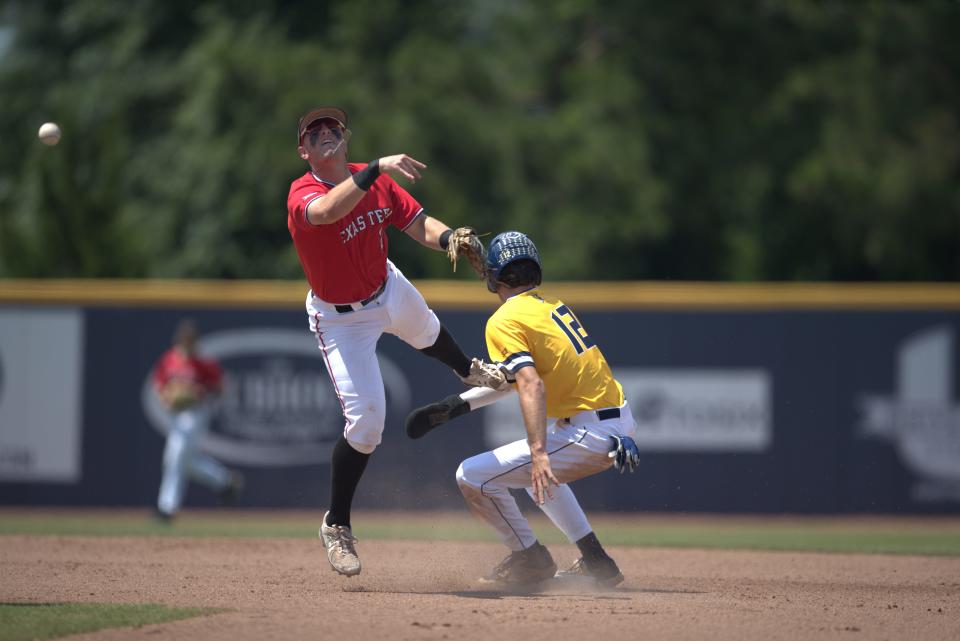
(485,375)
(339,540)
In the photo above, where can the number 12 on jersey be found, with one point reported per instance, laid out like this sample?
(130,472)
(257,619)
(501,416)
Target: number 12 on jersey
(567,322)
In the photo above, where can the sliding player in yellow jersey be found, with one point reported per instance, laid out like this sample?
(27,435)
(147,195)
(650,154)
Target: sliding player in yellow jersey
(560,373)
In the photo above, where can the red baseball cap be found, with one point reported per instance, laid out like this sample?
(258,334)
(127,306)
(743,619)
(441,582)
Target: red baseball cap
(320,113)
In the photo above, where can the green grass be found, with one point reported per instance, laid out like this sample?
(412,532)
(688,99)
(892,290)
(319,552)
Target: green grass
(864,536)
(808,538)
(189,526)
(795,539)
(24,622)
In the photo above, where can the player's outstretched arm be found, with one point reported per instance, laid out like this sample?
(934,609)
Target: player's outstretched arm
(426,230)
(425,419)
(341,200)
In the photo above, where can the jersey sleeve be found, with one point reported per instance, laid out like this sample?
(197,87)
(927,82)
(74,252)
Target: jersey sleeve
(507,345)
(405,207)
(299,198)
(212,375)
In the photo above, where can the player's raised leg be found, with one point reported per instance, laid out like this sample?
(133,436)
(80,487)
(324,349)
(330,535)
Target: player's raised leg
(415,323)
(213,474)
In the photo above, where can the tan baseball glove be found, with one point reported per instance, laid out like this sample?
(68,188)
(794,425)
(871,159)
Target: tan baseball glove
(179,395)
(465,243)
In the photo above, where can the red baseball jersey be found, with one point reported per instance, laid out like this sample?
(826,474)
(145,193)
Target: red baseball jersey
(176,366)
(346,261)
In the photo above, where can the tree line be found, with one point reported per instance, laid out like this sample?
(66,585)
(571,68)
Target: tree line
(632,139)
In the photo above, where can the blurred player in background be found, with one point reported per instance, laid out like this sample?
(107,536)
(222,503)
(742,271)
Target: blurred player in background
(187,385)
(559,372)
(338,214)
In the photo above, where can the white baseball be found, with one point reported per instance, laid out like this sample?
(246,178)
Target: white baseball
(49,133)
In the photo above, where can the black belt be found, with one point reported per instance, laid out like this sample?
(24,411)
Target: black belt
(602,415)
(343,309)
(610,412)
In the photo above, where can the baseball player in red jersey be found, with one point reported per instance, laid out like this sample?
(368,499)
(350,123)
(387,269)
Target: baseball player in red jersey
(337,214)
(186,384)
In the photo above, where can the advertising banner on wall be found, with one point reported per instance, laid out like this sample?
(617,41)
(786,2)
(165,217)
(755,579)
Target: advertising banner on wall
(40,395)
(693,410)
(920,415)
(278,408)
(737,411)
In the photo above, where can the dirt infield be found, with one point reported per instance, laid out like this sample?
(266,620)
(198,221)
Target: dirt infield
(283,589)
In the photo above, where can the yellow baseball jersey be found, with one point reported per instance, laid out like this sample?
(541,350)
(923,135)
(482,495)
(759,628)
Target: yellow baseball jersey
(532,329)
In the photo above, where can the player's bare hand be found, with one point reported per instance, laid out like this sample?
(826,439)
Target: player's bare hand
(402,165)
(541,477)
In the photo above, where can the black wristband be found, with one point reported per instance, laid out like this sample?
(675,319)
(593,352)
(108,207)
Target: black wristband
(365,178)
(445,239)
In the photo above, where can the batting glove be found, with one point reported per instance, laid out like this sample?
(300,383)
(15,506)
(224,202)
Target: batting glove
(625,454)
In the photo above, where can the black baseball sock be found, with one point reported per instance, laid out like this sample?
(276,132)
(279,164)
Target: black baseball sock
(446,350)
(590,547)
(346,468)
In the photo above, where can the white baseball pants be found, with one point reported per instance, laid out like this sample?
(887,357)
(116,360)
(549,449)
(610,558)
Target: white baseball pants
(577,449)
(182,459)
(348,341)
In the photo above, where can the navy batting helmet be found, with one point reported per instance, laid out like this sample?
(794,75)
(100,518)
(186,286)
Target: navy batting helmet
(506,248)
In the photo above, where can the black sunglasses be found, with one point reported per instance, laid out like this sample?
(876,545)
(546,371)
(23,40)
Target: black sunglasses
(314,134)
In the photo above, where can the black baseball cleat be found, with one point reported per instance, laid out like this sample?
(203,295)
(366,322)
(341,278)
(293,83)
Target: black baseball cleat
(524,568)
(424,419)
(602,570)
(161,517)
(229,494)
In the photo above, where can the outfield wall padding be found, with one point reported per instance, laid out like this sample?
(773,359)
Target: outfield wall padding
(799,405)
